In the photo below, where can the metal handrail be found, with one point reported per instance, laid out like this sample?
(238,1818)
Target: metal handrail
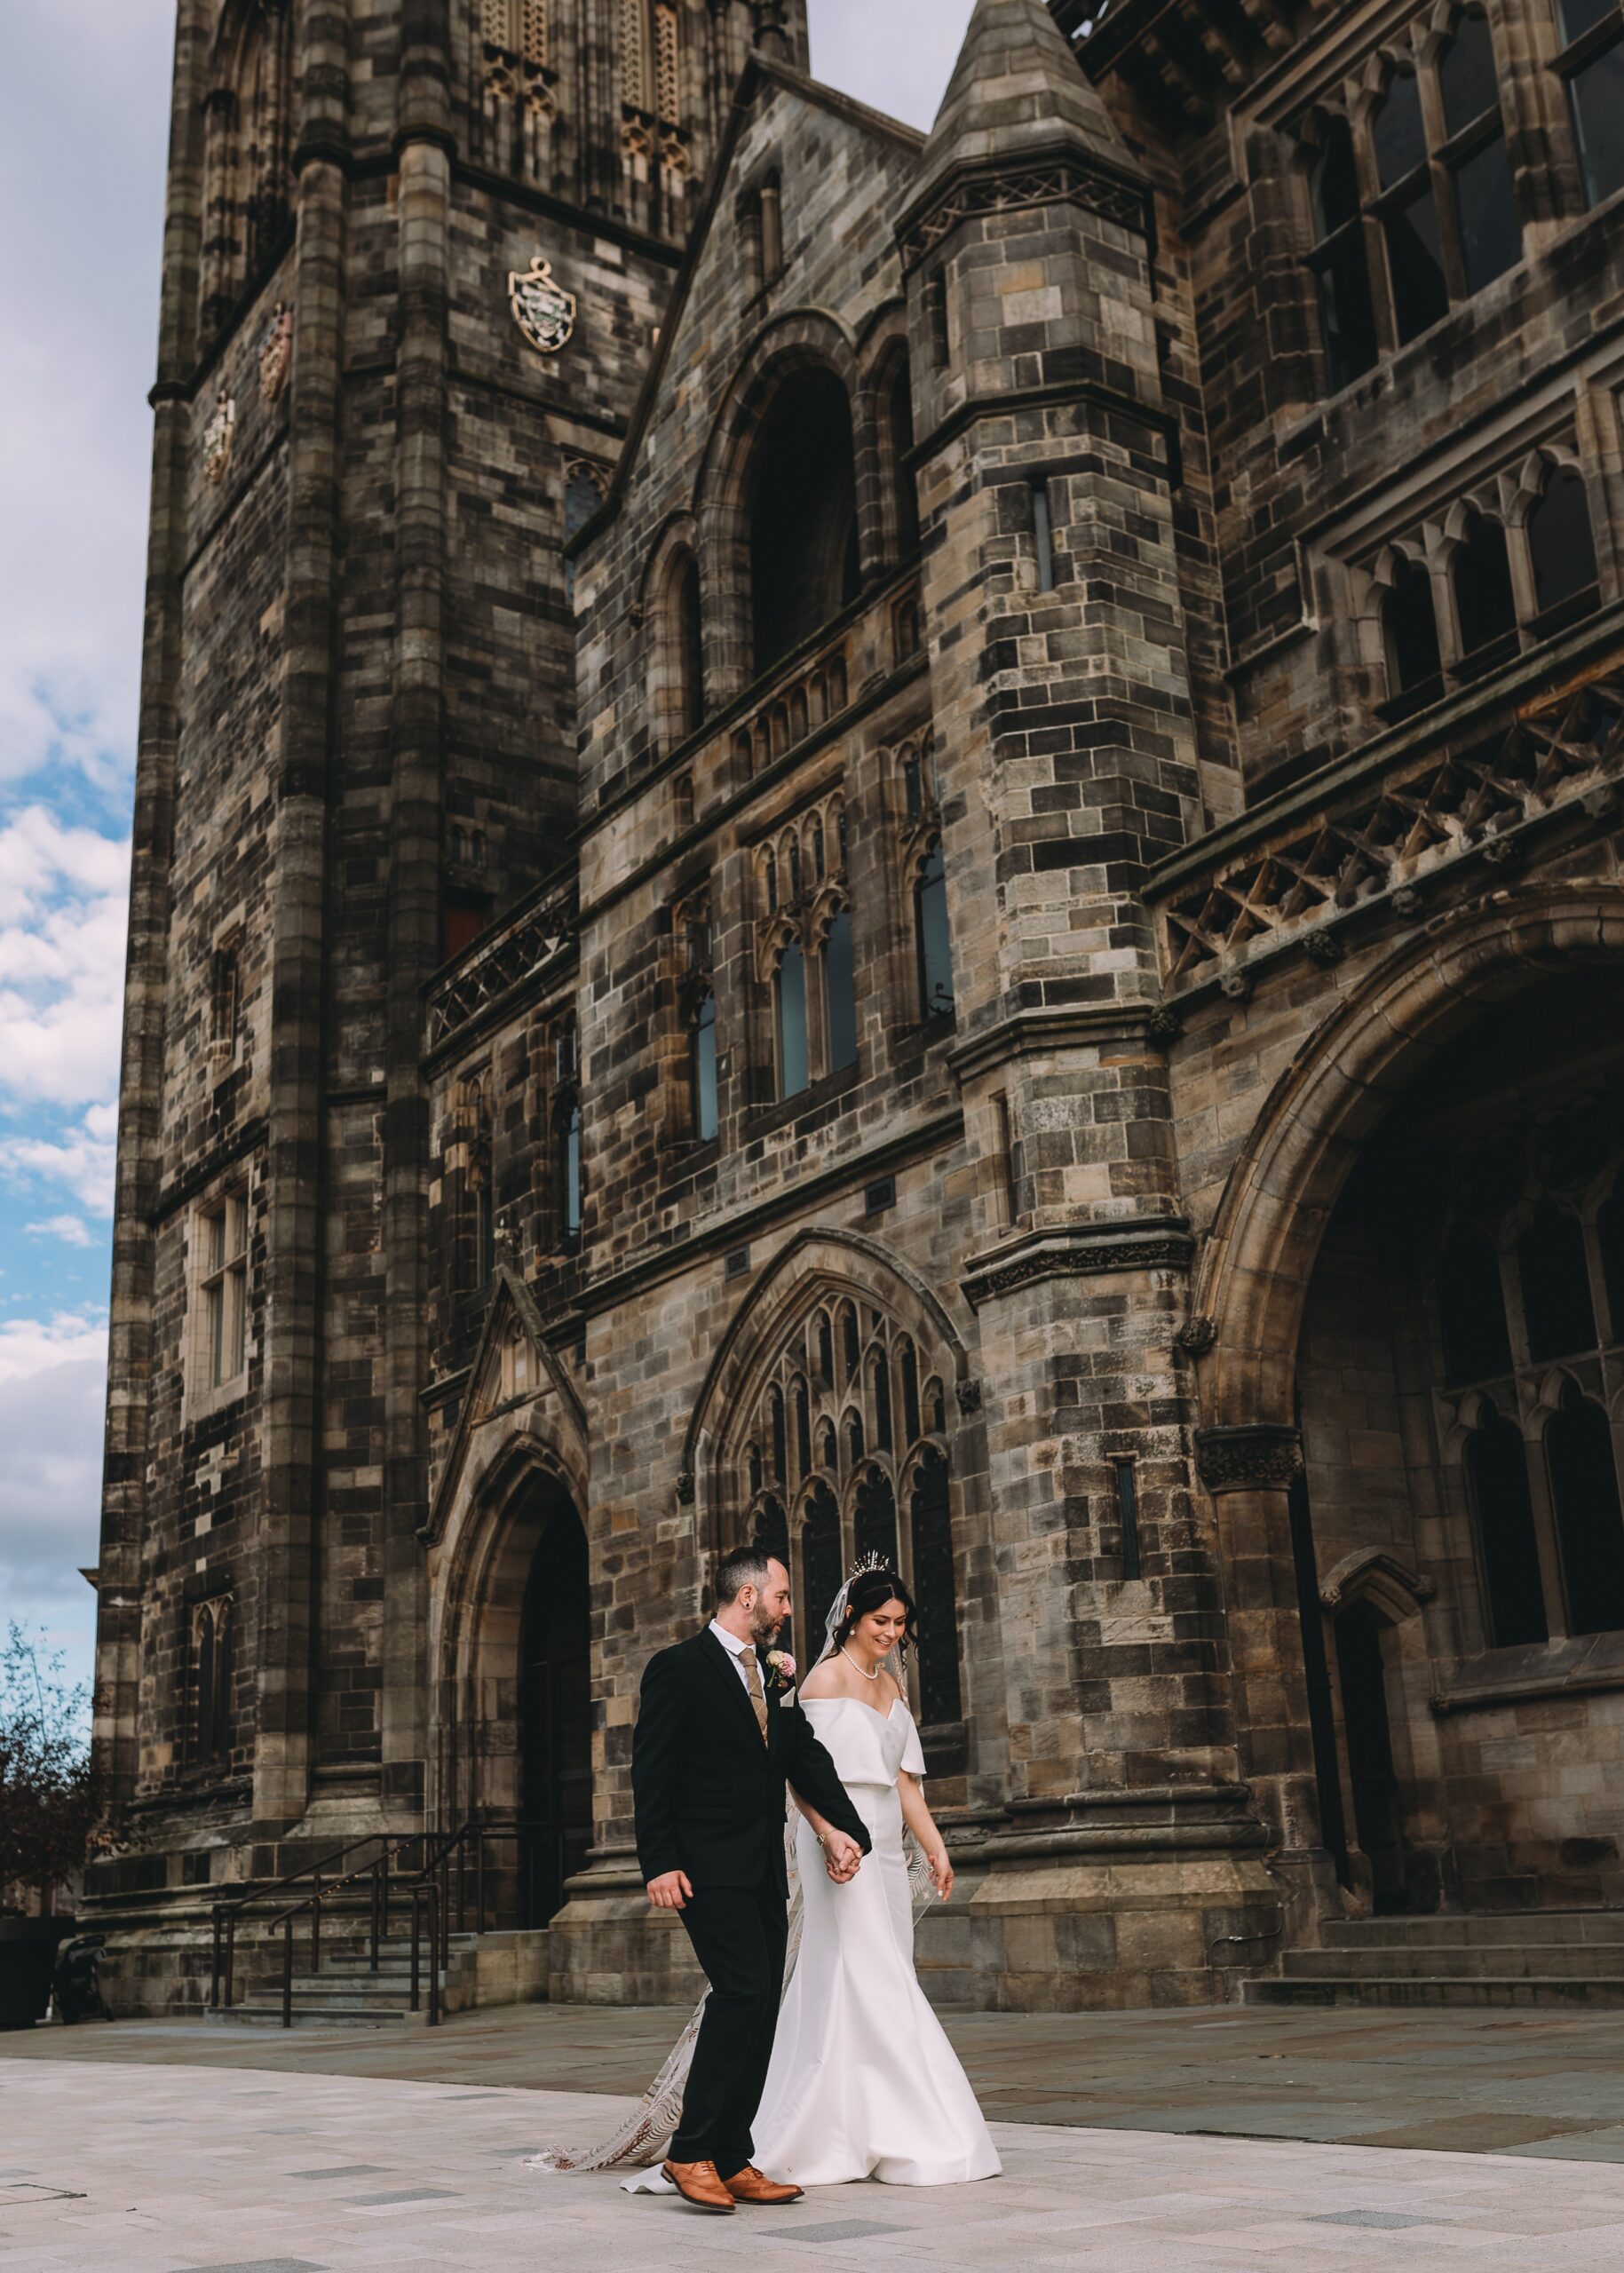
(428,1892)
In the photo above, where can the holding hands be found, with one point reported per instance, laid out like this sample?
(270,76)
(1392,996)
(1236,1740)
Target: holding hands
(842,1856)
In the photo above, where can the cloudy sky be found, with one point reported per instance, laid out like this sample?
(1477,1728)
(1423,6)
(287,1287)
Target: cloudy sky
(78,282)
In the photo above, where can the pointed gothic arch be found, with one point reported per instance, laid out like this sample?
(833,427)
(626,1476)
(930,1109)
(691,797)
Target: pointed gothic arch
(248,150)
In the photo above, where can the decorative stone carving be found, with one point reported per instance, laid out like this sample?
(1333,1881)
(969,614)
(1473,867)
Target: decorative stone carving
(219,435)
(1143,1244)
(1408,902)
(1397,822)
(968,1394)
(1324,948)
(544,311)
(1236,984)
(687,1488)
(1197,1336)
(276,356)
(1164,1023)
(1068,181)
(1256,1457)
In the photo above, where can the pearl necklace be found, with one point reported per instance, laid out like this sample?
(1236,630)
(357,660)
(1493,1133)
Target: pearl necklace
(851,1660)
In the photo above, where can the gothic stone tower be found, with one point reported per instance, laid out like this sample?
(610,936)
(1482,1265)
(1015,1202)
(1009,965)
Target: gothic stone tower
(356,750)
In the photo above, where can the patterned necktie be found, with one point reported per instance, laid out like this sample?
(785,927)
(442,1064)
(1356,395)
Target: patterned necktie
(752,1673)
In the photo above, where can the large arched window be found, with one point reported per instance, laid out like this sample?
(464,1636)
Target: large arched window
(1592,64)
(803,514)
(1584,1491)
(1409,632)
(1529,1279)
(821,1570)
(1342,273)
(1561,548)
(1409,216)
(839,993)
(790,1022)
(931,1524)
(247,155)
(876,1522)
(934,940)
(1486,608)
(1507,1550)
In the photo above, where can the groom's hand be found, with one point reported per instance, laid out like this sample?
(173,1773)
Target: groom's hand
(842,1857)
(671,1891)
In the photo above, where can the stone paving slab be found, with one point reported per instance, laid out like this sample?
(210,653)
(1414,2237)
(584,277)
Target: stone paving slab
(1542,2085)
(182,2170)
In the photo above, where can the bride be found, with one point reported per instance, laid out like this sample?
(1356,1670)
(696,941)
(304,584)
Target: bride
(863,2083)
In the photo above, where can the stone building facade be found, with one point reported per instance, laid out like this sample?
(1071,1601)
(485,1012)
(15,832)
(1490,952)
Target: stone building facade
(950,882)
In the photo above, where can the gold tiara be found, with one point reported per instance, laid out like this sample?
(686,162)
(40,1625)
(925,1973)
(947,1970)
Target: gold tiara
(860,1569)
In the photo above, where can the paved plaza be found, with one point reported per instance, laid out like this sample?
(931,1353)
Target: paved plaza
(169,2169)
(1139,2143)
(1536,2083)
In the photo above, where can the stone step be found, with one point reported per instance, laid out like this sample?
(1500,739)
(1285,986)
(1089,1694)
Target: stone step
(1470,1962)
(1497,1928)
(257,2013)
(1435,1990)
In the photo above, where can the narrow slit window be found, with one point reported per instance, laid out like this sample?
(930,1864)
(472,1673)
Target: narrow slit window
(1043,536)
(1128,1516)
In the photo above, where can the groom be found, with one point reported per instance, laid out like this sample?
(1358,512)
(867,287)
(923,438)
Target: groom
(719,1735)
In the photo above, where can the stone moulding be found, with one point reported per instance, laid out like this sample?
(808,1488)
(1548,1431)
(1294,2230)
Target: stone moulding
(1256,1457)
(1142,1243)
(1399,811)
(1060,180)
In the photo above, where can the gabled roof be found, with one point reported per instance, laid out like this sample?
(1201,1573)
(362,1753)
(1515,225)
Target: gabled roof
(511,1300)
(761,71)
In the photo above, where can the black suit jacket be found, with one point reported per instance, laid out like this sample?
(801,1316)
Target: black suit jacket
(710,1794)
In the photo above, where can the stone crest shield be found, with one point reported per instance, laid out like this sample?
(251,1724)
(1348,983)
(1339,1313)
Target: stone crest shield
(276,355)
(218,436)
(544,311)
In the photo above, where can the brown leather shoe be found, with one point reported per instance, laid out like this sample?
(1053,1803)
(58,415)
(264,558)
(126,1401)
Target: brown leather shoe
(699,2183)
(748,2185)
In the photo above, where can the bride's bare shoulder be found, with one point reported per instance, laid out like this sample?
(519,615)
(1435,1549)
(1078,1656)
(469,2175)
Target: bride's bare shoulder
(822,1680)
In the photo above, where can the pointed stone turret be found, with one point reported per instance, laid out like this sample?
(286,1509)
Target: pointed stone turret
(1017,91)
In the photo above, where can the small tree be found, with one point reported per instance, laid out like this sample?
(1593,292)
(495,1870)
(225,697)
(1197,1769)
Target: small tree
(51,1795)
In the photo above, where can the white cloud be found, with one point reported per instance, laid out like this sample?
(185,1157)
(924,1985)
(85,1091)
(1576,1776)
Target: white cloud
(83,1161)
(64,900)
(52,1394)
(71,1229)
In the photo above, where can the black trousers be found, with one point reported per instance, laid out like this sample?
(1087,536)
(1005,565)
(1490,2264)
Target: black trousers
(740,1937)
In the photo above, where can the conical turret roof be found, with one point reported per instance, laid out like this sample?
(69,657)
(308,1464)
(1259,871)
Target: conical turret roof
(1016,90)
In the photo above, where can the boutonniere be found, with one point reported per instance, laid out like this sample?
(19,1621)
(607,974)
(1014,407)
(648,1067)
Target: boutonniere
(780,1669)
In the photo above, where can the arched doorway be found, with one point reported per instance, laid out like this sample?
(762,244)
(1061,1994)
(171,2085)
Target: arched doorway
(555,1713)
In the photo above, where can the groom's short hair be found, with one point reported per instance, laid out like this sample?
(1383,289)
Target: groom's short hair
(746,1566)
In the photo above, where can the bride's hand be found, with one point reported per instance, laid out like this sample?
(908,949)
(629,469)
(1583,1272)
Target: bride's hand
(941,1873)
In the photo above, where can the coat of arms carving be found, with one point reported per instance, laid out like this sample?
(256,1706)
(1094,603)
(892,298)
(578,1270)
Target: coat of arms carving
(544,311)
(276,355)
(218,436)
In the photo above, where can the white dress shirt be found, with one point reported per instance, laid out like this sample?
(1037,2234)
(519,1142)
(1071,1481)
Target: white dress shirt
(735,1649)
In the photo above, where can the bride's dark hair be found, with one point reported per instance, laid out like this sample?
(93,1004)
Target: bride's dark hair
(871,1591)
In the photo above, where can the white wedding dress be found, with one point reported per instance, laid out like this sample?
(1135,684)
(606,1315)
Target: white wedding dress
(864,2083)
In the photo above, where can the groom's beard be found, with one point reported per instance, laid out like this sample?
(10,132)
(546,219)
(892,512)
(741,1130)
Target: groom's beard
(764,1627)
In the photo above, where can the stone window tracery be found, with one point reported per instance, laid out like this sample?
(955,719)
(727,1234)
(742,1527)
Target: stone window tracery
(1531,1325)
(1411,202)
(247,155)
(923,878)
(1514,561)
(804,933)
(863,1469)
(697,1007)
